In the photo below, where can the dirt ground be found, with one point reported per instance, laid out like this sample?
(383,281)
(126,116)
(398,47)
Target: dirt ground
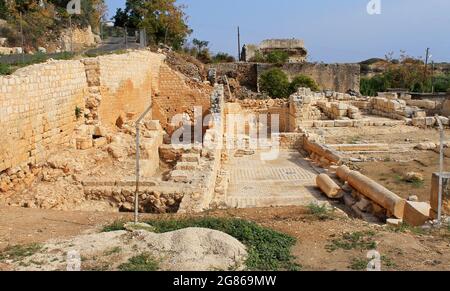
(390,168)
(390,173)
(400,251)
(400,134)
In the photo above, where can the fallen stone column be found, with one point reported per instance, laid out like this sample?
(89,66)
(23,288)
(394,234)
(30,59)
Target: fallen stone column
(328,186)
(322,151)
(343,172)
(374,191)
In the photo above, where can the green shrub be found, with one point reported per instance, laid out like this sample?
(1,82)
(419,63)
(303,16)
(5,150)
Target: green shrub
(5,69)
(371,86)
(321,212)
(258,58)
(142,263)
(277,57)
(354,240)
(275,83)
(303,81)
(223,58)
(442,83)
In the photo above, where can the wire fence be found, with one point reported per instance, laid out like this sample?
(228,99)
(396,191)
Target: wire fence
(112,39)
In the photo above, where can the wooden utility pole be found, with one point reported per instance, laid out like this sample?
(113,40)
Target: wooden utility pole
(239,44)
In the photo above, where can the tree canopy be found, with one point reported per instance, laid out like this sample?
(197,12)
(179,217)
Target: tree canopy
(163,20)
(42,20)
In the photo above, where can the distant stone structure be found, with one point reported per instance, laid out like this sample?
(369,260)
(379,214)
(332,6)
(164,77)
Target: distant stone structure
(294,47)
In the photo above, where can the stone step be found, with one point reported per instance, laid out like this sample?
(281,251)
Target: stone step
(191,158)
(187,166)
(122,183)
(249,202)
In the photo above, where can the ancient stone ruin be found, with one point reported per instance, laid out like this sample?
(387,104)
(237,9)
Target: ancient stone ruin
(69,141)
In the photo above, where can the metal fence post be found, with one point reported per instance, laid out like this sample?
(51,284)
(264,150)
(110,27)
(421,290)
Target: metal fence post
(441,167)
(138,163)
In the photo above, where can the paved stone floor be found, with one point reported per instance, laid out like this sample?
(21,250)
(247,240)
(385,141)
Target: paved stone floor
(287,181)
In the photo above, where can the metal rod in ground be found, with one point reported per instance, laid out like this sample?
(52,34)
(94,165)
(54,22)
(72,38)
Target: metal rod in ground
(138,164)
(136,196)
(441,168)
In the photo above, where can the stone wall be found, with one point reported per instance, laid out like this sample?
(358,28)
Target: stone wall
(178,95)
(245,73)
(335,77)
(121,84)
(43,106)
(38,110)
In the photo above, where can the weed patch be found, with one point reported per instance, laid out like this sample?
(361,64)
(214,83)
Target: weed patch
(142,263)
(17,253)
(321,212)
(353,241)
(359,264)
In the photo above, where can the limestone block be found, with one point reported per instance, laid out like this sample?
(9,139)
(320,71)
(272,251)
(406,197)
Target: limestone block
(100,142)
(416,213)
(394,222)
(426,146)
(328,186)
(153,125)
(187,166)
(343,123)
(192,158)
(84,143)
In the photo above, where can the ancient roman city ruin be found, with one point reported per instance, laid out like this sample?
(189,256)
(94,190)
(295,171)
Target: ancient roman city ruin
(68,139)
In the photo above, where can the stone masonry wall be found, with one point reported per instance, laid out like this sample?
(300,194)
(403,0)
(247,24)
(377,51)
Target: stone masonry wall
(121,84)
(335,77)
(37,110)
(177,95)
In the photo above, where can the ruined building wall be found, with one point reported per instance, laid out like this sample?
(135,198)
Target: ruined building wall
(178,95)
(335,77)
(37,110)
(121,84)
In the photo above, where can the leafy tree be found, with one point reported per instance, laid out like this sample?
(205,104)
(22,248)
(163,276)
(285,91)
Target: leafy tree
(200,44)
(163,20)
(275,82)
(303,81)
(42,23)
(3,9)
(277,57)
(223,58)
(258,58)
(120,18)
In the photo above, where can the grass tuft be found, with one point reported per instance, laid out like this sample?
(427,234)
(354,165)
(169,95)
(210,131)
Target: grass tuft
(359,264)
(142,263)
(115,226)
(321,212)
(354,240)
(17,253)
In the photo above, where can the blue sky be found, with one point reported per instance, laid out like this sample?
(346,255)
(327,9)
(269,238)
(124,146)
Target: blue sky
(333,30)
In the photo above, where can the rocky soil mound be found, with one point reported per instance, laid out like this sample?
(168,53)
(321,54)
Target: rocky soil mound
(190,249)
